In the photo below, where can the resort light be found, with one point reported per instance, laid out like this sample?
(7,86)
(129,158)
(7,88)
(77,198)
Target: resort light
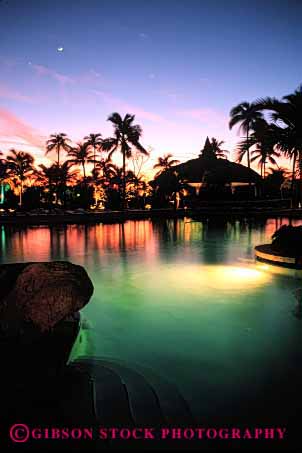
(240,278)
(243,272)
(221,280)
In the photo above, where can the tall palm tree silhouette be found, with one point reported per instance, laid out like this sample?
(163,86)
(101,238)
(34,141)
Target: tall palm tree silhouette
(287,116)
(264,155)
(165,163)
(93,141)
(57,142)
(264,139)
(245,114)
(21,166)
(126,137)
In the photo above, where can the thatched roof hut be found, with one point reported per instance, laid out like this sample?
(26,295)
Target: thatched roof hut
(207,168)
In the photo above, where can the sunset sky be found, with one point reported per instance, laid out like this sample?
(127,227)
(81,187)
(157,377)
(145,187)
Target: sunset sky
(179,66)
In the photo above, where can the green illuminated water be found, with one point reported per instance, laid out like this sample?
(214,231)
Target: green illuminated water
(182,298)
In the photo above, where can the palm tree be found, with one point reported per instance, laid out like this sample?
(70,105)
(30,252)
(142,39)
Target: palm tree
(95,142)
(3,167)
(264,155)
(65,177)
(58,142)
(137,188)
(165,163)
(4,177)
(281,173)
(245,114)
(105,170)
(126,137)
(3,170)
(46,177)
(101,176)
(81,155)
(277,179)
(21,166)
(117,177)
(56,178)
(287,145)
(264,138)
(216,147)
(287,117)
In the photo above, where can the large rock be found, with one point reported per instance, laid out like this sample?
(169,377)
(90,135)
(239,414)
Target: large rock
(41,294)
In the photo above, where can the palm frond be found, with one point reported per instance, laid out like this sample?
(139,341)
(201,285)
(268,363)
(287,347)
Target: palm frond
(116,119)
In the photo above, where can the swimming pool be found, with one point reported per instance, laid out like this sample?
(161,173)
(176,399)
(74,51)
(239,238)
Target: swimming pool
(182,299)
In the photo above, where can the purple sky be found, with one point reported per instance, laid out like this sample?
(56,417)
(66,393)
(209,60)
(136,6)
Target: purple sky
(179,66)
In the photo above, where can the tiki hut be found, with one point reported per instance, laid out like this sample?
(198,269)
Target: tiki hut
(207,170)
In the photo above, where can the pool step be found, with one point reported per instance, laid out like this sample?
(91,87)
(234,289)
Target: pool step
(110,398)
(128,397)
(175,409)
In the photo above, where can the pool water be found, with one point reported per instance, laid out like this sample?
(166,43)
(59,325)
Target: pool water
(184,299)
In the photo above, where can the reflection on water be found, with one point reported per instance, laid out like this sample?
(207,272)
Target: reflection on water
(60,242)
(184,298)
(81,241)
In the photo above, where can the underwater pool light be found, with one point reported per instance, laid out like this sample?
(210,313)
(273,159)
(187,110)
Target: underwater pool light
(205,279)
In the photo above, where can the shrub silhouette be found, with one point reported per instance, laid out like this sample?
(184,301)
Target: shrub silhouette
(288,237)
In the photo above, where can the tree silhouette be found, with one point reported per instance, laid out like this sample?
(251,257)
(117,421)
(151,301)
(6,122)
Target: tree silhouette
(81,155)
(56,178)
(126,137)
(216,147)
(105,170)
(287,117)
(263,138)
(165,163)
(93,141)
(57,142)
(245,114)
(21,166)
(4,177)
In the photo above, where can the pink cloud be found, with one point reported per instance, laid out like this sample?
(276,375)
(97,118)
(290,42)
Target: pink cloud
(44,71)
(205,116)
(13,128)
(89,77)
(120,105)
(8,93)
